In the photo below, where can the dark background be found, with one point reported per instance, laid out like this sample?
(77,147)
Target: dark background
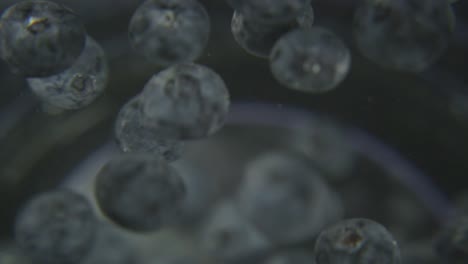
(424,117)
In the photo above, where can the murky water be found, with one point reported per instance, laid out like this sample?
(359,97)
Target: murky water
(387,145)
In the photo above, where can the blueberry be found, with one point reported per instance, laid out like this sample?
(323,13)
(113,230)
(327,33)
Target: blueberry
(56,227)
(258,38)
(356,241)
(78,85)
(310,60)
(403,35)
(139,192)
(185,101)
(134,135)
(283,196)
(40,38)
(167,32)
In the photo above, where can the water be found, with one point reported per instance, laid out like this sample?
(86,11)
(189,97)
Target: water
(392,145)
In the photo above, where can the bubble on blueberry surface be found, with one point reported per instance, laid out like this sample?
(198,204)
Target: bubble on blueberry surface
(167,32)
(77,86)
(135,135)
(356,241)
(56,227)
(185,101)
(40,38)
(139,192)
(310,60)
(407,36)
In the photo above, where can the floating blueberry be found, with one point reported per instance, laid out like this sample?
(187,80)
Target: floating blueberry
(258,38)
(356,241)
(403,35)
(56,227)
(283,196)
(185,101)
(79,85)
(139,192)
(167,32)
(40,38)
(135,135)
(310,60)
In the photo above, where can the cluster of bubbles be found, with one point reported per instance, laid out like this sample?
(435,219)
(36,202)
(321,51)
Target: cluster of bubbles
(282,198)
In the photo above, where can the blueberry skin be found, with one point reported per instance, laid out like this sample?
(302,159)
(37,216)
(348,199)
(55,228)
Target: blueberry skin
(167,32)
(258,38)
(407,36)
(310,60)
(77,86)
(356,241)
(134,135)
(139,192)
(186,101)
(56,227)
(270,11)
(40,38)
